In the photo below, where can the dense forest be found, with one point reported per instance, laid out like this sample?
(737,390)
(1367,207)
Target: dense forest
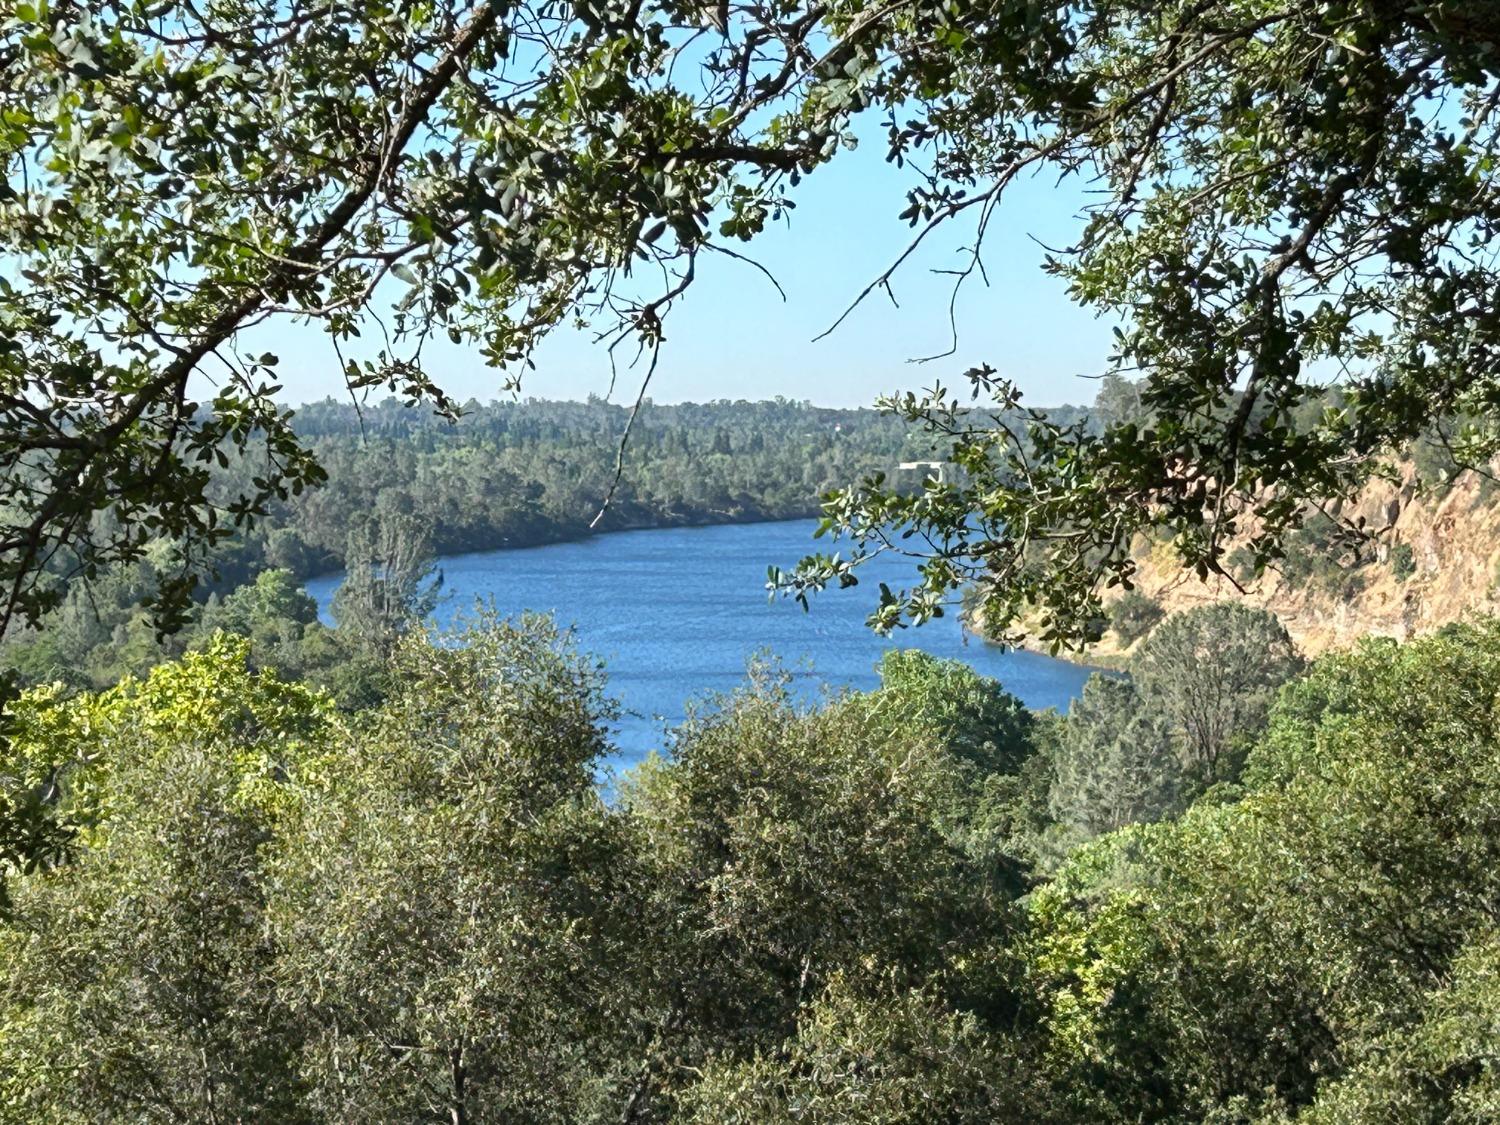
(405,486)
(1227,888)
(515,474)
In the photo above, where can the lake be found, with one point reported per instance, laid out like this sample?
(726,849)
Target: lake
(677,613)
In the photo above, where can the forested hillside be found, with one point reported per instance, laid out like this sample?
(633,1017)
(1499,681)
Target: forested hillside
(512,474)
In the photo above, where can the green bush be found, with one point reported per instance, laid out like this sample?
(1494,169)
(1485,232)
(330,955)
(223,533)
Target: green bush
(1403,561)
(1241,564)
(1133,616)
(1326,555)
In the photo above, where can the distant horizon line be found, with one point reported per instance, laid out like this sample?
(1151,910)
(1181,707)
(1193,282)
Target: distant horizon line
(600,400)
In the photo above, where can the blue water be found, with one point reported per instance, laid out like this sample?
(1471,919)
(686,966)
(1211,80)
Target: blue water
(677,613)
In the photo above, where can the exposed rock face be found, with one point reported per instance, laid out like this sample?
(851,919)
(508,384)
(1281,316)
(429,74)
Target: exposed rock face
(1455,542)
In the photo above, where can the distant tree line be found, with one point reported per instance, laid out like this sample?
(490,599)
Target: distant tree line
(405,486)
(519,474)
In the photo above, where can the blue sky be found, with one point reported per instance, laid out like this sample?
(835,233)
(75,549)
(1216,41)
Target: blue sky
(733,337)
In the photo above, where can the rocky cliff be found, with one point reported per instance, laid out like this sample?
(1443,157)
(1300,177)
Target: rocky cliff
(1433,557)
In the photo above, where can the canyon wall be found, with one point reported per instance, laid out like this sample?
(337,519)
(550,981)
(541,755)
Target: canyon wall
(1454,539)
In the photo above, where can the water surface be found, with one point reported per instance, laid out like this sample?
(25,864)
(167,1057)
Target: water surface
(677,613)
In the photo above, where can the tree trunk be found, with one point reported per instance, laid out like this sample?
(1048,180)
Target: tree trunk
(460,1113)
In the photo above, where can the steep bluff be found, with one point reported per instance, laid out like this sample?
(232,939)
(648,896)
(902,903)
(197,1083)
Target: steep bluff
(1451,572)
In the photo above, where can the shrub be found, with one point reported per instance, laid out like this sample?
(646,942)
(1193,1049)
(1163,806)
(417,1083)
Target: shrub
(1403,561)
(1133,616)
(1241,564)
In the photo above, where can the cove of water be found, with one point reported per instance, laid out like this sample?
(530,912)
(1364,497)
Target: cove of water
(677,613)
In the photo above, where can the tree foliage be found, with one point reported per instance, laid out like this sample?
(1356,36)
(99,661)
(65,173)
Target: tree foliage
(1277,193)
(1212,673)
(177,173)
(389,583)
(450,969)
(1134,615)
(427,912)
(1283,196)
(167,791)
(1117,764)
(1314,950)
(1145,746)
(894,1058)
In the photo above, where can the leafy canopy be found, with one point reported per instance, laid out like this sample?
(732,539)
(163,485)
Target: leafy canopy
(428,912)
(1324,947)
(1199,691)
(1284,196)
(175,173)
(1285,193)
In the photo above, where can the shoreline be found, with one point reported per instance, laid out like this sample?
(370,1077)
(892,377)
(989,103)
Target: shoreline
(1114,663)
(586,534)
